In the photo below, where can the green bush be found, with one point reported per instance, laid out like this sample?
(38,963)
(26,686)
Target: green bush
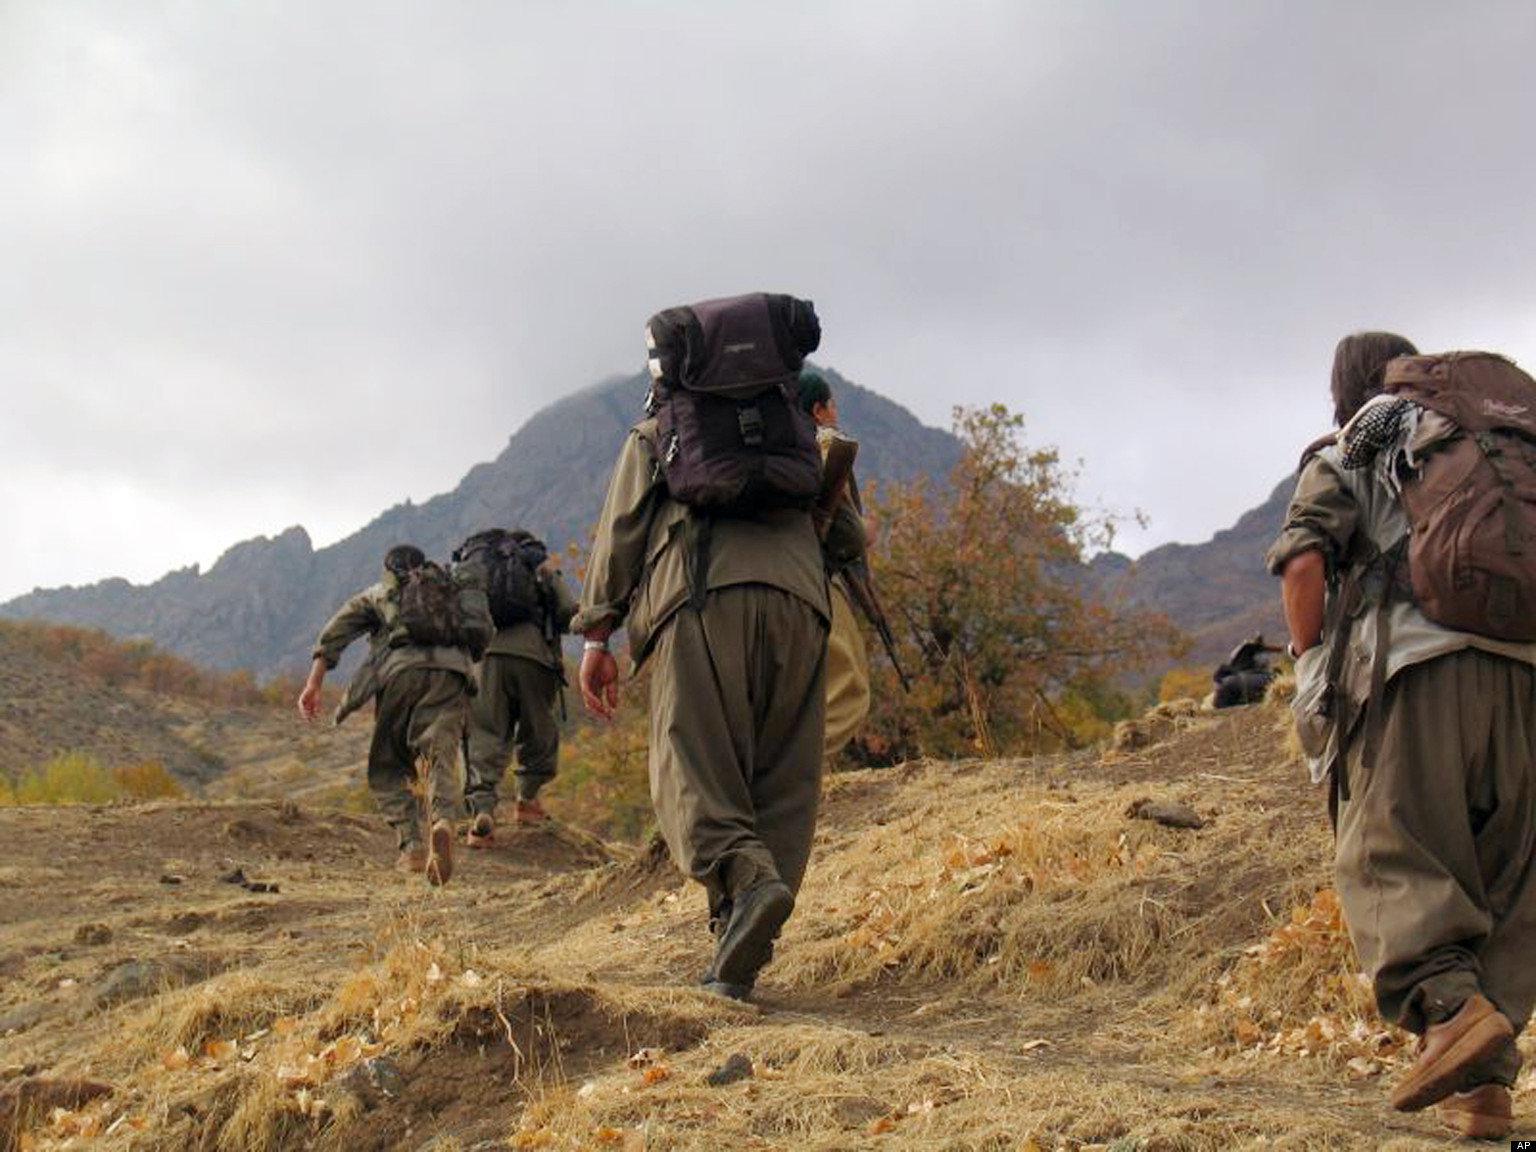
(73,778)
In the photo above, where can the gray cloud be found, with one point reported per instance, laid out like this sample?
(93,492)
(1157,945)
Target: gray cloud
(268,264)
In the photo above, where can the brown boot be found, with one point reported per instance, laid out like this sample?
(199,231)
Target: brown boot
(528,812)
(1452,1055)
(440,854)
(1485,1113)
(482,831)
(412,858)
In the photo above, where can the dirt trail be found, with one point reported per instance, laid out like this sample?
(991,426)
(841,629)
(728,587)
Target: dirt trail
(987,955)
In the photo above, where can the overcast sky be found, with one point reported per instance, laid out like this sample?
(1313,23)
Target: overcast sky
(268,264)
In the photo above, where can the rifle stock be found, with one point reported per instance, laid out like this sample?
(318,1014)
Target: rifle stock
(836,472)
(861,590)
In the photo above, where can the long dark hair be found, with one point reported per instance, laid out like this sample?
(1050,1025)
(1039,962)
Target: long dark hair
(1358,364)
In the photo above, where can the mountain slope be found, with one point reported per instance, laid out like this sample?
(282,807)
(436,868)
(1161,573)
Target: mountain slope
(54,701)
(262,603)
(1218,592)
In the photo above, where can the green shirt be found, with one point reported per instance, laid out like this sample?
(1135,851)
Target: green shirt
(528,639)
(637,574)
(1349,514)
(374,613)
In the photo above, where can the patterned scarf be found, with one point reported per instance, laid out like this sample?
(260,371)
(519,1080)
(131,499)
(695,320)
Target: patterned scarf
(1380,433)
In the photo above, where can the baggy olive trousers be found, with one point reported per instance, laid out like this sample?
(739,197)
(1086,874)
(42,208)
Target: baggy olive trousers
(737,711)
(847,672)
(515,708)
(1437,841)
(419,719)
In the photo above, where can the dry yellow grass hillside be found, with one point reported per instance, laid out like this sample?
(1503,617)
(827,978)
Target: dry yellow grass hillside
(998,955)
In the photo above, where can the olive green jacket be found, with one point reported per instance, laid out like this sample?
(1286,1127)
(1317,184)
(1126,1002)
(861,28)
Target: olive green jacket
(637,574)
(374,613)
(528,639)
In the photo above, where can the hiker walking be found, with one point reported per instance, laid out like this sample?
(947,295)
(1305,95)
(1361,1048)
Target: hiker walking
(1408,560)
(520,677)
(425,626)
(706,554)
(845,547)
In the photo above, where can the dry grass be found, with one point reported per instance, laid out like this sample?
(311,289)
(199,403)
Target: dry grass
(1060,892)
(226,1009)
(986,956)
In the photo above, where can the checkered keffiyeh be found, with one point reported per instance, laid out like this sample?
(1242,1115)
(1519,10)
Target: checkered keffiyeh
(1377,426)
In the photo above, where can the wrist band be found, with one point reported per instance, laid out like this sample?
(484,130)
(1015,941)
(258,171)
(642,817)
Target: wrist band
(594,646)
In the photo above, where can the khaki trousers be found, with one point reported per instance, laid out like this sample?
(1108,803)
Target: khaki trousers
(847,672)
(514,709)
(1437,842)
(419,717)
(737,709)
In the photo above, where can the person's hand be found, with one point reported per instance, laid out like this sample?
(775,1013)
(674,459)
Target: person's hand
(309,701)
(600,682)
(309,698)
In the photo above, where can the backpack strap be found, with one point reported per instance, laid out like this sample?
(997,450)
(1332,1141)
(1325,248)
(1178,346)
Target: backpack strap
(1388,569)
(698,533)
(1493,452)
(1336,626)
(1312,449)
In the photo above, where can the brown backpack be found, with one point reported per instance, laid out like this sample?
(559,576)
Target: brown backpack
(1472,506)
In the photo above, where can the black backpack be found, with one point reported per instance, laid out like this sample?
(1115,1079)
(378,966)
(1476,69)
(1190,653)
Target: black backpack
(428,601)
(731,434)
(509,564)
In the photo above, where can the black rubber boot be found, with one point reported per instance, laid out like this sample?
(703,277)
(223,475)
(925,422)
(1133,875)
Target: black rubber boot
(747,942)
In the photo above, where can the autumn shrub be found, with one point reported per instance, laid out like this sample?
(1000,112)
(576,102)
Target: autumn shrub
(72,778)
(149,780)
(133,663)
(7,793)
(1184,684)
(983,582)
(603,783)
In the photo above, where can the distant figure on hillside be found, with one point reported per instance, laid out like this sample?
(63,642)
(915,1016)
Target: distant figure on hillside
(844,545)
(520,677)
(425,627)
(706,553)
(1245,677)
(1416,698)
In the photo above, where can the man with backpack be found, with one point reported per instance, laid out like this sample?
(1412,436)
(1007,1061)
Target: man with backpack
(520,677)
(706,554)
(425,627)
(1408,559)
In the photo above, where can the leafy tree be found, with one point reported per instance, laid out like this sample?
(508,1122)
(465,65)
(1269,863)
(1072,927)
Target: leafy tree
(982,580)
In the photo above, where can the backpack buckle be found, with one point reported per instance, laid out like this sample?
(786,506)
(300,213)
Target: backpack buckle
(750,420)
